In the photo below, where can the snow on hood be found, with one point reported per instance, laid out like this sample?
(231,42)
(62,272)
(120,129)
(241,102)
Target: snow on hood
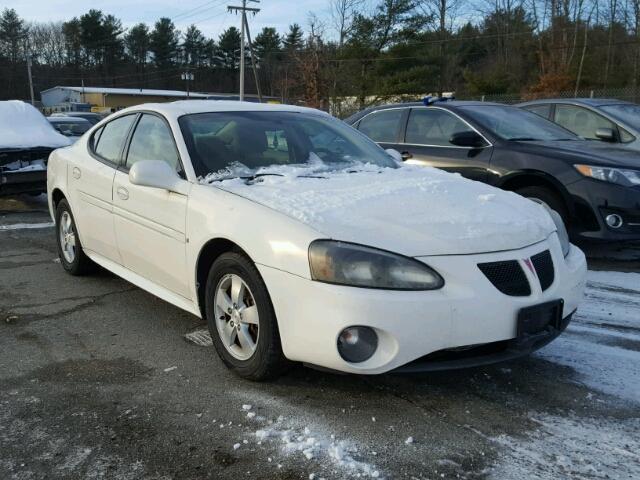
(23,126)
(416,211)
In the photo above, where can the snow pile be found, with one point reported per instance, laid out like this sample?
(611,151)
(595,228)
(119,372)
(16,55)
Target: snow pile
(601,344)
(417,210)
(22,126)
(564,447)
(315,446)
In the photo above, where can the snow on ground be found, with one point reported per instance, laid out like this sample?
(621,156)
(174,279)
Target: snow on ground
(602,344)
(305,442)
(26,226)
(568,447)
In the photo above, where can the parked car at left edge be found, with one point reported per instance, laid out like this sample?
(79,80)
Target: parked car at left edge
(26,140)
(300,240)
(594,186)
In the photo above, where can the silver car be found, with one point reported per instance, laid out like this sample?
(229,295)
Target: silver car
(607,120)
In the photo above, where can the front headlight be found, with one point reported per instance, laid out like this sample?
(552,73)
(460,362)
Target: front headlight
(359,266)
(619,176)
(561,230)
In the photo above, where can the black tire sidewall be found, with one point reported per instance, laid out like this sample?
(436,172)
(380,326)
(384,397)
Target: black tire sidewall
(266,360)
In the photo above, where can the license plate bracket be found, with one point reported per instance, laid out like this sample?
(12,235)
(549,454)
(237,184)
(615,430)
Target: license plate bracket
(537,318)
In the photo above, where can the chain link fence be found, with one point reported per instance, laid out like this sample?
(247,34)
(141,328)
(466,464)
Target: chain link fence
(345,106)
(631,94)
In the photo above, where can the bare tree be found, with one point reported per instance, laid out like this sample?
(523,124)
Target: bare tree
(444,14)
(343,13)
(613,12)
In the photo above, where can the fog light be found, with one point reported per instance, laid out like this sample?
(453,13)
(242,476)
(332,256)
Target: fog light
(614,220)
(357,344)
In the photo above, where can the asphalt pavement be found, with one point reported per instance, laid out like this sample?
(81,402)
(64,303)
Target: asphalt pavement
(97,381)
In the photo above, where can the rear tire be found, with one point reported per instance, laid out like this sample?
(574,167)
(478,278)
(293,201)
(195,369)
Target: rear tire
(231,326)
(70,252)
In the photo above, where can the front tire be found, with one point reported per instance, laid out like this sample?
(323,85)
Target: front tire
(241,319)
(72,257)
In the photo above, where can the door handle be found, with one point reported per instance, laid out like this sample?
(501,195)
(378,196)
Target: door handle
(123,193)
(76,172)
(406,156)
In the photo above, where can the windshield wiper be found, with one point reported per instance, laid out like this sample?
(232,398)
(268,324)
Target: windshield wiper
(523,139)
(248,178)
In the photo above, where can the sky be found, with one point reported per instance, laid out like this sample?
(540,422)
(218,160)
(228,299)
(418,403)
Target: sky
(210,16)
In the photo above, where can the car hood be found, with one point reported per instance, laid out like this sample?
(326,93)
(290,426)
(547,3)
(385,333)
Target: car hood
(22,126)
(590,151)
(415,211)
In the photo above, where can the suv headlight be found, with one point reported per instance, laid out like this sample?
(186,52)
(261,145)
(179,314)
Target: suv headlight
(619,176)
(359,266)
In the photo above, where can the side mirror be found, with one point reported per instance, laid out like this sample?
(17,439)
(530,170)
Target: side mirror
(606,134)
(468,138)
(156,174)
(395,154)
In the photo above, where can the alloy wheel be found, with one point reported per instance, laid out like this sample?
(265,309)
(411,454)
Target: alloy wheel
(237,318)
(67,237)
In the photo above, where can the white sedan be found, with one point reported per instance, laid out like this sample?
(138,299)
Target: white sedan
(300,240)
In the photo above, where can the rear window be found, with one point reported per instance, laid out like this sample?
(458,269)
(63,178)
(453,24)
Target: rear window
(382,126)
(109,140)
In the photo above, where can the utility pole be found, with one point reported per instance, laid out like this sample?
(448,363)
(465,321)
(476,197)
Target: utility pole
(33,101)
(243,10)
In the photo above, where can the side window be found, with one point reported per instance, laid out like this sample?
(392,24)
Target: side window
(433,127)
(152,140)
(542,110)
(112,137)
(382,126)
(581,121)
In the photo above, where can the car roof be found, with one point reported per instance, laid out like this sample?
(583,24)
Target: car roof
(186,107)
(449,104)
(67,119)
(590,102)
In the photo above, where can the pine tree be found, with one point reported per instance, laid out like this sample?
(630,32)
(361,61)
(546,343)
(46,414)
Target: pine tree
(13,34)
(293,40)
(229,48)
(137,43)
(164,43)
(193,47)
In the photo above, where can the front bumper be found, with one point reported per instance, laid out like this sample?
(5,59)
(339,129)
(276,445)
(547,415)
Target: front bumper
(594,200)
(30,181)
(485,354)
(467,311)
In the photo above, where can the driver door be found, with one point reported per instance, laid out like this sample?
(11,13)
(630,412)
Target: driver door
(150,222)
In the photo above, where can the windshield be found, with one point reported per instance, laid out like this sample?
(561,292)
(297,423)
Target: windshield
(233,144)
(511,123)
(627,113)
